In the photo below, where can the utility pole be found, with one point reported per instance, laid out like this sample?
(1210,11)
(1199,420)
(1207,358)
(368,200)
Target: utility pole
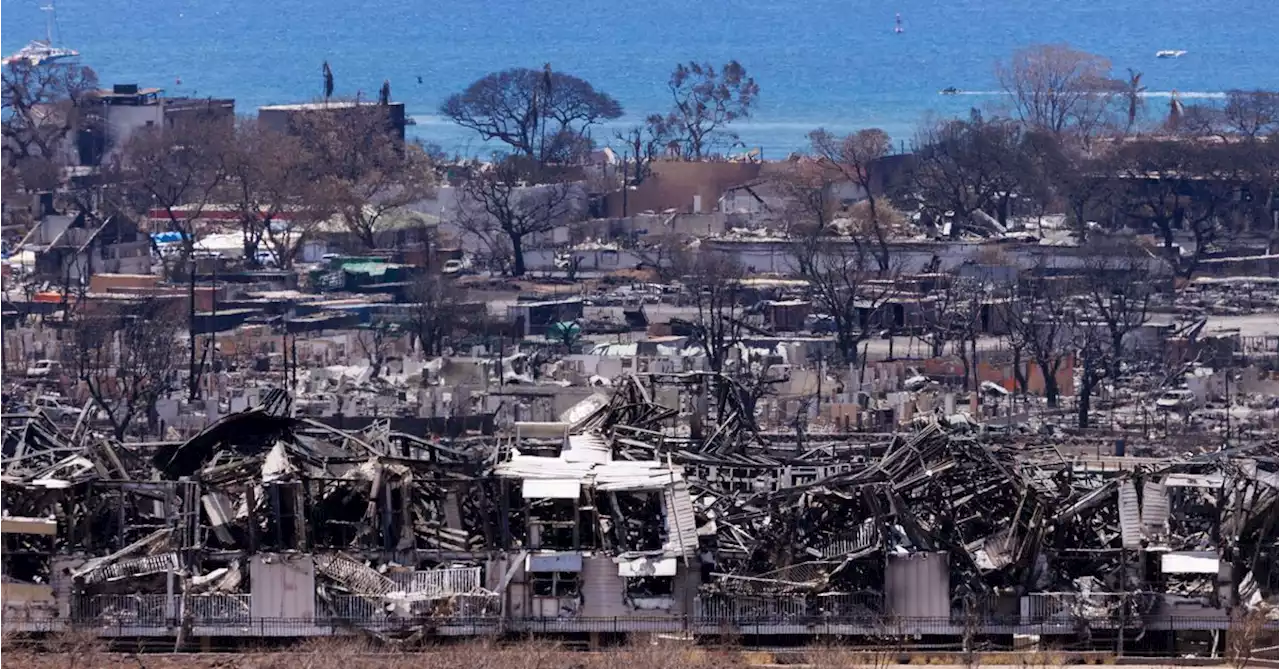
(1226,438)
(193,379)
(284,348)
(4,351)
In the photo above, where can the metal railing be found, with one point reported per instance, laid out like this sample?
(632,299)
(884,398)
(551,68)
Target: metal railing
(218,609)
(750,607)
(485,625)
(124,609)
(852,604)
(366,607)
(353,607)
(1066,607)
(476,614)
(439,581)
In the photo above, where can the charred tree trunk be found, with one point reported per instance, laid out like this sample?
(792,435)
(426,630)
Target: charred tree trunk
(517,255)
(1048,371)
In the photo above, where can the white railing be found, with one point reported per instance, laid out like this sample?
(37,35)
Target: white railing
(214,609)
(158,609)
(849,604)
(123,609)
(355,607)
(375,608)
(740,607)
(1066,607)
(439,582)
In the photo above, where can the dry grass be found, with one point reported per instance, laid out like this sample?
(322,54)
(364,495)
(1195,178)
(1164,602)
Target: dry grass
(86,652)
(82,651)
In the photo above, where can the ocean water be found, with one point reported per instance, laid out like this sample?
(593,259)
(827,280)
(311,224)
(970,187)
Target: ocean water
(831,63)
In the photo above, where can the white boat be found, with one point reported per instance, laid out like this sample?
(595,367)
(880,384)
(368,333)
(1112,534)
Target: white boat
(1170,53)
(42,51)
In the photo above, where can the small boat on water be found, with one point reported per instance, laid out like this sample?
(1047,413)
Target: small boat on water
(1170,53)
(897,24)
(42,51)
(949,90)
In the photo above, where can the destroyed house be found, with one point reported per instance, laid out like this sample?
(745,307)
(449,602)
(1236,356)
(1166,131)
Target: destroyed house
(590,540)
(532,317)
(72,249)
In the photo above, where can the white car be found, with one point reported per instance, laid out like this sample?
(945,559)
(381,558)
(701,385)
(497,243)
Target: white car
(54,408)
(1175,400)
(42,368)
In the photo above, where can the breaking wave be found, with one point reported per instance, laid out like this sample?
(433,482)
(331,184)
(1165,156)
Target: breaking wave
(1186,95)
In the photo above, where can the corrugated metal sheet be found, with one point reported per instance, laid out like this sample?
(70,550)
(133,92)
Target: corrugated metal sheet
(918,585)
(283,586)
(1130,516)
(603,590)
(551,488)
(626,475)
(533,467)
(353,574)
(682,532)
(587,448)
(1155,508)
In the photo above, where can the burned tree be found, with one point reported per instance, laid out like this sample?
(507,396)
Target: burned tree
(375,342)
(504,209)
(175,173)
(266,182)
(1059,89)
(1180,191)
(715,285)
(127,357)
(806,187)
(1039,318)
(1117,292)
(705,102)
(841,284)
(851,157)
(42,105)
(1252,114)
(434,312)
(640,147)
(1093,356)
(967,170)
(542,115)
(361,168)
(954,317)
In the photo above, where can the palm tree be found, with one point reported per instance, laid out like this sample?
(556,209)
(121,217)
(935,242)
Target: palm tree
(1134,92)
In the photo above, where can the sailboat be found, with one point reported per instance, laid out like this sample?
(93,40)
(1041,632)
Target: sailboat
(42,51)
(897,24)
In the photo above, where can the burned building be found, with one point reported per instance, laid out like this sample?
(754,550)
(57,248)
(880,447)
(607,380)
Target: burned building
(268,524)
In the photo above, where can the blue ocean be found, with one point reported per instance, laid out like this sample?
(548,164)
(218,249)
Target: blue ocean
(832,63)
